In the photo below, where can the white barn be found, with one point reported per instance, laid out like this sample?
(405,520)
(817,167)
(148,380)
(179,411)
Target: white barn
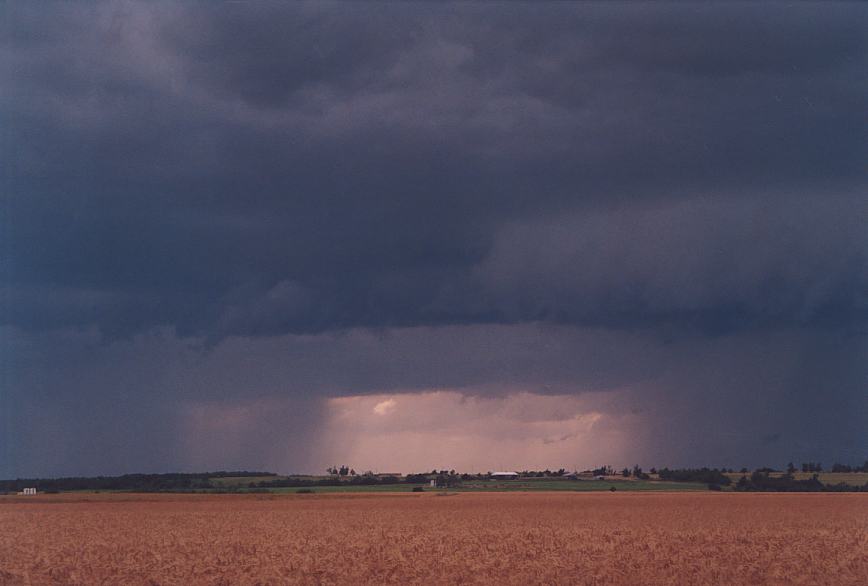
(504,475)
(29,490)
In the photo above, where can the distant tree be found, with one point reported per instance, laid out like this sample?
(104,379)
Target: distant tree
(812,467)
(344,471)
(352,472)
(637,473)
(444,479)
(653,471)
(791,468)
(625,472)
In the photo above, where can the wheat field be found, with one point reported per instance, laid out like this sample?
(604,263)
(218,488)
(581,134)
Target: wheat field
(524,538)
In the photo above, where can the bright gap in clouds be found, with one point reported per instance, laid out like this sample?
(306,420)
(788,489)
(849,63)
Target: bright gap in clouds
(413,432)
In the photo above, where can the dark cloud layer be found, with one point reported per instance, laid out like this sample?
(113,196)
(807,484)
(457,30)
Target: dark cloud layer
(258,170)
(250,171)
(79,405)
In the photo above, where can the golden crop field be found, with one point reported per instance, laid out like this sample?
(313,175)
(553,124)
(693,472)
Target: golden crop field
(504,538)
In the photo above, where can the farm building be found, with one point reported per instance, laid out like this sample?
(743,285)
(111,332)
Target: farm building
(504,475)
(28,491)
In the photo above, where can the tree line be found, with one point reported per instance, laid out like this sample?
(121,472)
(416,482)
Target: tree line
(762,479)
(174,481)
(836,467)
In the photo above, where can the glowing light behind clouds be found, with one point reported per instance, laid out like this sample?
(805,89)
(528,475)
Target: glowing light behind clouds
(457,429)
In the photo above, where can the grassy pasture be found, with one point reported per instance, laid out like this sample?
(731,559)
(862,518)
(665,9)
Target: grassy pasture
(515,486)
(527,484)
(523,484)
(577,485)
(238,481)
(851,478)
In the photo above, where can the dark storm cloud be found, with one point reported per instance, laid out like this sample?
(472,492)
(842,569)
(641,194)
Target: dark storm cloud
(714,263)
(190,165)
(233,211)
(75,404)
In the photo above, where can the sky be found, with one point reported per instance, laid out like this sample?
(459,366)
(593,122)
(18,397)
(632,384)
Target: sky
(413,236)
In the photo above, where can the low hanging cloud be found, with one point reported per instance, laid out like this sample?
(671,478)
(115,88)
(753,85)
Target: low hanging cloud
(156,402)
